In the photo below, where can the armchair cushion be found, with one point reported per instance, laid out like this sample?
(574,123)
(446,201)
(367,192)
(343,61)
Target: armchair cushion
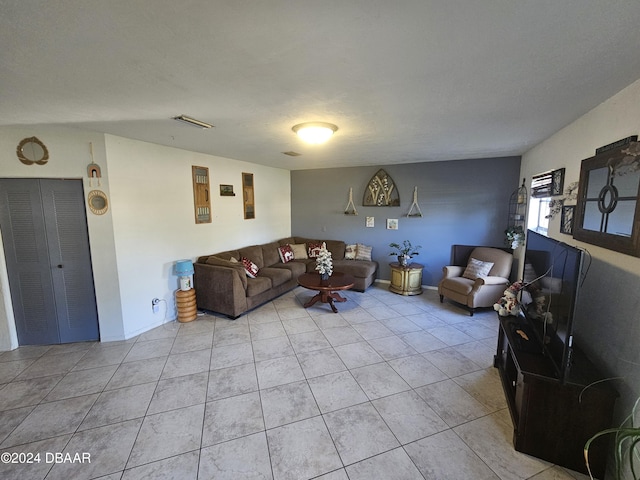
(477,268)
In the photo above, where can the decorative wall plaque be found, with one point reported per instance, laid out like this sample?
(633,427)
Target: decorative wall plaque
(381,191)
(201,194)
(248,196)
(98,203)
(32,150)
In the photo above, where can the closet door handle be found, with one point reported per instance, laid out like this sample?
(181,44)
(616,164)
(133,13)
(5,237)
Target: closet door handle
(60,266)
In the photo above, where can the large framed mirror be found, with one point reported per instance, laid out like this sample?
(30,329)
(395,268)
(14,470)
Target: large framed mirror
(608,210)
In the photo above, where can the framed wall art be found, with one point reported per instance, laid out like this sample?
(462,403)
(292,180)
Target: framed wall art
(566,220)
(201,197)
(248,196)
(226,191)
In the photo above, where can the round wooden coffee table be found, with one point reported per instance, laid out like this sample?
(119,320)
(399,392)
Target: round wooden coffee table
(327,289)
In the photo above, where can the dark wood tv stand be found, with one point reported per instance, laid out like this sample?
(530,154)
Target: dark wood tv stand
(553,420)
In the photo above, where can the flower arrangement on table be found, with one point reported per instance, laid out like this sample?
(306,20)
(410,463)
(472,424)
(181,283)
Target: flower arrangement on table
(405,251)
(324,263)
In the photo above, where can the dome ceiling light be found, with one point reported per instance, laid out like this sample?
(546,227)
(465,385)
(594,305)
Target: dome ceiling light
(315,132)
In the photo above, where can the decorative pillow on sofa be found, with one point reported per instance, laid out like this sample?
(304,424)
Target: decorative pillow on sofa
(286,253)
(314,248)
(299,251)
(476,268)
(363,252)
(350,252)
(250,267)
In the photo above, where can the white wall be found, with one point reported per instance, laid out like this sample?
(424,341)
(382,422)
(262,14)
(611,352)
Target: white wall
(150,223)
(153,219)
(608,315)
(69,155)
(616,118)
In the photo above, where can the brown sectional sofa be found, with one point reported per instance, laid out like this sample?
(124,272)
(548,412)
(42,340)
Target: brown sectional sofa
(222,286)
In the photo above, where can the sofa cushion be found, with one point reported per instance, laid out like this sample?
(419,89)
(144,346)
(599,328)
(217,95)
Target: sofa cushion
(270,253)
(305,240)
(299,251)
(359,269)
(221,262)
(363,252)
(233,263)
(253,253)
(286,253)
(257,285)
(296,267)
(250,267)
(313,248)
(278,276)
(229,255)
(350,252)
(337,248)
(287,241)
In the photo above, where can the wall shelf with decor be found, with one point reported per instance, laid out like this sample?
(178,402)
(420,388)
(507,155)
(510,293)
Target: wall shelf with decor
(516,216)
(518,206)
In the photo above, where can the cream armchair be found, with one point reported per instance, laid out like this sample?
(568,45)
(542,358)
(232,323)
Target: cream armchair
(478,277)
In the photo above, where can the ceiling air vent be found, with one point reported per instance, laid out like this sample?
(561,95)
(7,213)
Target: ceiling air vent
(292,154)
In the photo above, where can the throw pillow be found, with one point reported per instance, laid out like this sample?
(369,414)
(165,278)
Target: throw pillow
(314,248)
(299,251)
(250,267)
(363,252)
(286,253)
(350,252)
(476,268)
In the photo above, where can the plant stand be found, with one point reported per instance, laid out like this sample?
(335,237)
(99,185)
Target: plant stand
(406,280)
(186,305)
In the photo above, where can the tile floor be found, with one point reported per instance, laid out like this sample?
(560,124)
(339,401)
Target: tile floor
(391,387)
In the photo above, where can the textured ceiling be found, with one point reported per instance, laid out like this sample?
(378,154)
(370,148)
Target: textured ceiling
(405,81)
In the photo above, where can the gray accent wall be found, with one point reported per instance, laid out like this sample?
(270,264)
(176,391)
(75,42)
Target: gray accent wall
(607,326)
(462,202)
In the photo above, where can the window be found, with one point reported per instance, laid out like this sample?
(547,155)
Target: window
(538,212)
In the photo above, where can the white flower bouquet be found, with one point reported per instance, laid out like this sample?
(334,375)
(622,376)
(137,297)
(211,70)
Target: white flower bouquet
(324,264)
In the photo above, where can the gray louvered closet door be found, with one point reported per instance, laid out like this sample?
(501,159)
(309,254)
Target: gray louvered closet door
(46,244)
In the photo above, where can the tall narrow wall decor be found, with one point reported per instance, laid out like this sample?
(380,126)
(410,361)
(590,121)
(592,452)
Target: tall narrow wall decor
(201,194)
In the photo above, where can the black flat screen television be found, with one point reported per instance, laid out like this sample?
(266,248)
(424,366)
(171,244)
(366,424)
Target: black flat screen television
(552,278)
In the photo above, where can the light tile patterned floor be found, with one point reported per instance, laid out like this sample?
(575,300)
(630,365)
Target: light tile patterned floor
(390,388)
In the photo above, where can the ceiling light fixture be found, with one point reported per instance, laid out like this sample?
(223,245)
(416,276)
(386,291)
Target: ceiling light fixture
(315,132)
(192,121)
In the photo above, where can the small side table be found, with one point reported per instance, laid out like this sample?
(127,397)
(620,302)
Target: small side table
(406,280)
(186,305)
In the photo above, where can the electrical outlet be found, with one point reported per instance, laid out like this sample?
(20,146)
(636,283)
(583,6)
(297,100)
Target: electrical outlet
(155,305)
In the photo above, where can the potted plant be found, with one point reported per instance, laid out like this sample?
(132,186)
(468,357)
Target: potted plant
(627,445)
(404,251)
(514,236)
